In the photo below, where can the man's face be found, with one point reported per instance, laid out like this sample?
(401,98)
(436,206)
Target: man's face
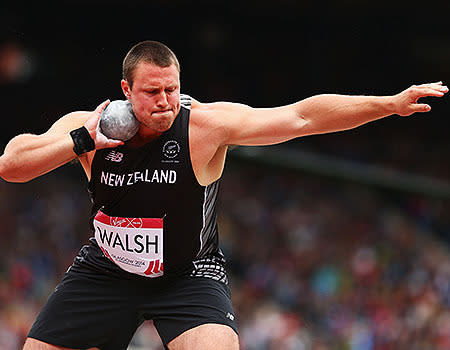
(155,96)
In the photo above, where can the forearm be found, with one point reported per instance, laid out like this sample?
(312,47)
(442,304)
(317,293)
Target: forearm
(28,156)
(329,113)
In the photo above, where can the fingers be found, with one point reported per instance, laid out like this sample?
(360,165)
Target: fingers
(113,143)
(420,108)
(102,106)
(430,84)
(104,142)
(409,98)
(424,90)
(94,118)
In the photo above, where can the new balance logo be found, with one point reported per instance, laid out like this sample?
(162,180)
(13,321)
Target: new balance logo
(114,156)
(230,316)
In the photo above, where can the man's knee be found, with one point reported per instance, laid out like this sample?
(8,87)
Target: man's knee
(34,344)
(205,337)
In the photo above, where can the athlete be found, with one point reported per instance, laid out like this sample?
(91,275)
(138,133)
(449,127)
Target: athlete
(154,251)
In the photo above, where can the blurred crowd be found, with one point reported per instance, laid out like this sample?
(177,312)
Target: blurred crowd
(313,263)
(317,264)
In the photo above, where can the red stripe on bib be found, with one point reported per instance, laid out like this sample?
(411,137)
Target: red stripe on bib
(129,222)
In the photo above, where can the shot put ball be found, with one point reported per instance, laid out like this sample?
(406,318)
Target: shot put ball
(118,121)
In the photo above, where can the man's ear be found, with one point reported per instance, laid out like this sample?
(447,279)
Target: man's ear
(126,88)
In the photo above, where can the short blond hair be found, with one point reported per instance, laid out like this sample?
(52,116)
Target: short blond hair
(150,52)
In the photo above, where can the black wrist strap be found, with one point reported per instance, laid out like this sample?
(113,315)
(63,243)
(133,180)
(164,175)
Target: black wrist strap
(82,141)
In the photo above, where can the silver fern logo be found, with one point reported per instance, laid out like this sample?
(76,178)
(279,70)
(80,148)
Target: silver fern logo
(171,149)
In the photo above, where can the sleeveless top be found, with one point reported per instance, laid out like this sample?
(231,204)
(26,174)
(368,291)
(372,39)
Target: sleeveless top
(150,216)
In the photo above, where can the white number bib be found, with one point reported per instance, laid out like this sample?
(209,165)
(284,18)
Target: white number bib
(134,244)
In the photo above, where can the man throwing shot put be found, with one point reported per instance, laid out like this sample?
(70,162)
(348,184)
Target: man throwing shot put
(154,251)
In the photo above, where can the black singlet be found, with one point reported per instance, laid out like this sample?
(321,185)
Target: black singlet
(156,181)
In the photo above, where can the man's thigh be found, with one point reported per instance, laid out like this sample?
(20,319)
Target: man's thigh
(192,303)
(206,337)
(86,311)
(33,344)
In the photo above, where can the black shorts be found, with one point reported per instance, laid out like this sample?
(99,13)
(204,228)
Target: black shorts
(88,309)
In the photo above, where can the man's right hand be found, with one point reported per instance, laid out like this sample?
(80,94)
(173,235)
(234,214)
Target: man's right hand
(92,125)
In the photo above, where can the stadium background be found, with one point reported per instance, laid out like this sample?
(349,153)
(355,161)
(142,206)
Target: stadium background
(320,257)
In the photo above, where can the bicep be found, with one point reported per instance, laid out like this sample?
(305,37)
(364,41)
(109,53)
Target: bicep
(244,125)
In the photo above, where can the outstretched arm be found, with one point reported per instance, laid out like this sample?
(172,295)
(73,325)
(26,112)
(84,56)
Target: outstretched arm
(243,125)
(28,156)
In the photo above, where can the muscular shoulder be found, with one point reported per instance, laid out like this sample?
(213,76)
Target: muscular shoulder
(217,114)
(219,120)
(217,109)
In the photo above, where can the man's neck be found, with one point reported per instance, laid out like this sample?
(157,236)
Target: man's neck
(140,139)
